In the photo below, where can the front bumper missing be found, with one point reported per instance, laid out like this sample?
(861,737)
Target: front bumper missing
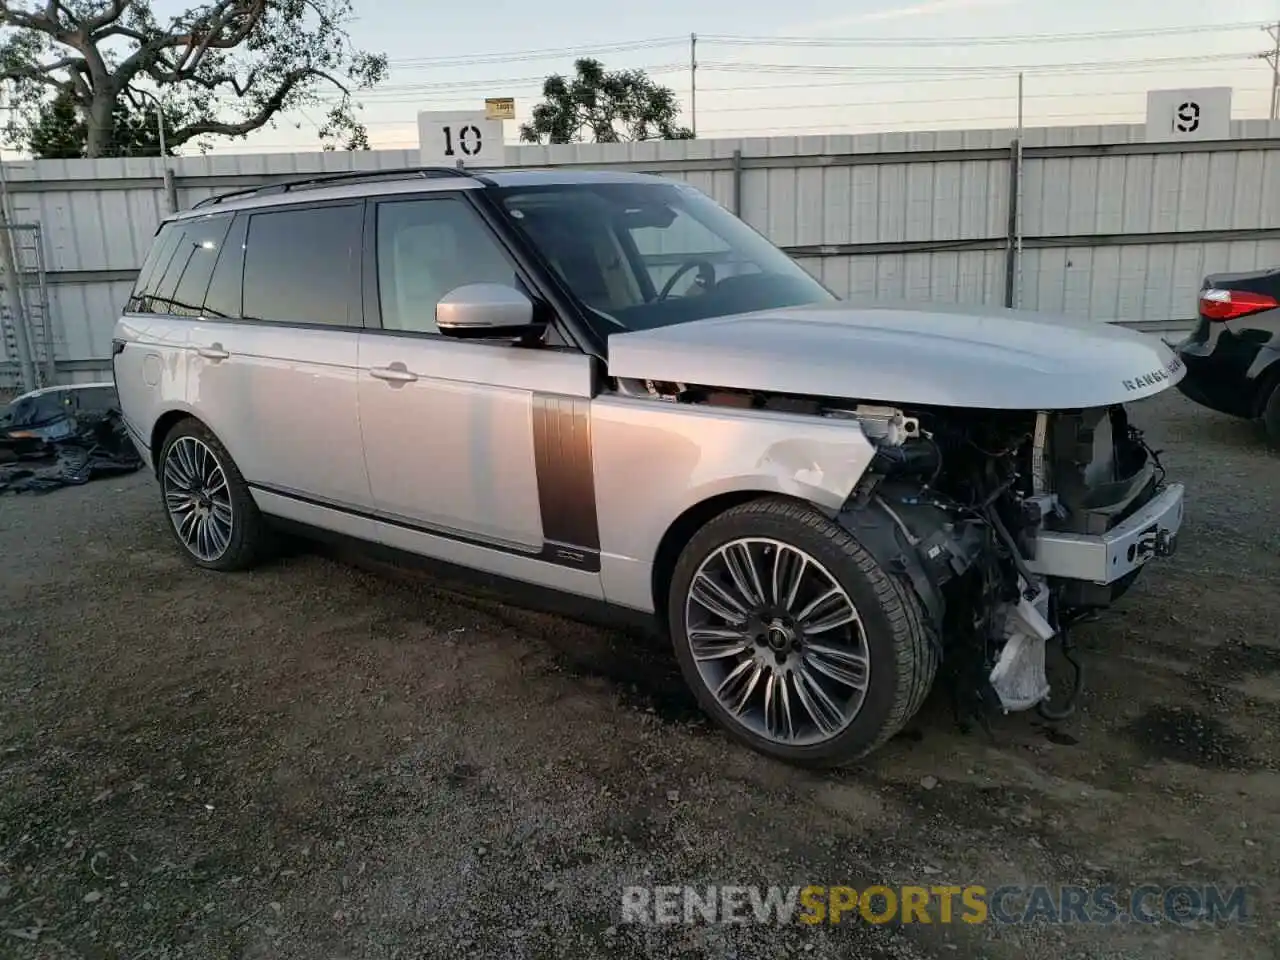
(1108,557)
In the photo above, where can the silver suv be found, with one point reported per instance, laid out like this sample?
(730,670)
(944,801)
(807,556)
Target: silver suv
(607,386)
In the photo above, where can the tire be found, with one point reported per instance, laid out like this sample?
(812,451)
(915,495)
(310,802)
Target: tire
(197,474)
(1271,415)
(888,634)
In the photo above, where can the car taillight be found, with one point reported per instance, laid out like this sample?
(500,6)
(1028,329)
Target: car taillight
(1220,305)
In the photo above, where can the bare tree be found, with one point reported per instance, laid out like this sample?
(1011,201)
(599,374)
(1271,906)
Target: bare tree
(221,68)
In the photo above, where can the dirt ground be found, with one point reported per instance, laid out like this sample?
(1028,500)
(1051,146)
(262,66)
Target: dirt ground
(319,760)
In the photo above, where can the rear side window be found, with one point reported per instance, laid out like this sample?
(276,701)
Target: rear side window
(181,288)
(154,265)
(176,272)
(298,266)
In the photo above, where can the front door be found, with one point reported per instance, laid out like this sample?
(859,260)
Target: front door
(473,445)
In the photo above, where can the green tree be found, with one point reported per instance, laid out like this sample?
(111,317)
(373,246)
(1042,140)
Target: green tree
(61,132)
(604,106)
(221,67)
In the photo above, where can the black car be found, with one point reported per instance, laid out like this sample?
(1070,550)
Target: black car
(1233,357)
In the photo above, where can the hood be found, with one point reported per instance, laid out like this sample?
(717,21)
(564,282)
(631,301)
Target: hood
(931,355)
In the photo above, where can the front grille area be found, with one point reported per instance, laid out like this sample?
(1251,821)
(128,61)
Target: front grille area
(1102,471)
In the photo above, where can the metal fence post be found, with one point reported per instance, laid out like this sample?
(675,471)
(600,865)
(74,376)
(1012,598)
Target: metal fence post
(170,190)
(737,183)
(1012,238)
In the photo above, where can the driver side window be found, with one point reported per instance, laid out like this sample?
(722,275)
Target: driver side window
(426,248)
(683,250)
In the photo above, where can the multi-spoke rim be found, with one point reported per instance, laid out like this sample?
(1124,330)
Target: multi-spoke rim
(777,641)
(198,498)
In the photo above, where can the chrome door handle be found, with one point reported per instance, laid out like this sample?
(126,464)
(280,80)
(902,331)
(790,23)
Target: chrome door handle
(396,373)
(213,352)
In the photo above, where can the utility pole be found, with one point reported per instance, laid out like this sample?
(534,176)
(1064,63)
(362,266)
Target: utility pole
(1019,106)
(693,84)
(1273,58)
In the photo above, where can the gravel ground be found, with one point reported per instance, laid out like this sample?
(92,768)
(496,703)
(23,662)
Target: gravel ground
(322,760)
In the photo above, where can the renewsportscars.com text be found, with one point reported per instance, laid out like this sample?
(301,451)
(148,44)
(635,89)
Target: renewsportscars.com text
(972,904)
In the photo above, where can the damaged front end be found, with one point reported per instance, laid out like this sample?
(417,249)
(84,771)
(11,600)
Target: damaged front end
(1011,526)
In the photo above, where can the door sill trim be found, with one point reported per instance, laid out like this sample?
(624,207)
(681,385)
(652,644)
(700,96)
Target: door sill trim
(560,554)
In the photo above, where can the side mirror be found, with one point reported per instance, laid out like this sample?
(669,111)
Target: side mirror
(492,311)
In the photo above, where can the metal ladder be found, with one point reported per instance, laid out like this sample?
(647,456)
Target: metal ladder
(32,286)
(33,295)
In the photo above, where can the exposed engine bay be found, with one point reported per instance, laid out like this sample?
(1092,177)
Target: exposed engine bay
(954,501)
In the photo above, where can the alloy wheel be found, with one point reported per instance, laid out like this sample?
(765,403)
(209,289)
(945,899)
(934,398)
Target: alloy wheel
(777,641)
(198,498)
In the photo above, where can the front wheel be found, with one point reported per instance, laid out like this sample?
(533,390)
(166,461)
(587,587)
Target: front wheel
(211,512)
(793,638)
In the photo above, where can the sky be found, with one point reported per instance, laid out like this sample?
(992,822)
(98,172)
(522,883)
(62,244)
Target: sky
(769,87)
(889,64)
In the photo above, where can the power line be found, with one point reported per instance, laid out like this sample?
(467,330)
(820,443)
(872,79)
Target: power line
(547,53)
(922,80)
(422,93)
(963,69)
(373,95)
(407,93)
(1094,36)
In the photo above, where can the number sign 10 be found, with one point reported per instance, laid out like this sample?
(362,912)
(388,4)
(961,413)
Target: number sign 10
(464,140)
(449,138)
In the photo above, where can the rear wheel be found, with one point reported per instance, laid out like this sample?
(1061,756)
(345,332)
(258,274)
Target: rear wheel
(793,638)
(211,512)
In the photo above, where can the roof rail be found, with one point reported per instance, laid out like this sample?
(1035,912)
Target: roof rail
(327,179)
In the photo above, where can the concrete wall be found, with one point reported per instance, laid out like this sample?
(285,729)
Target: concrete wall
(1112,228)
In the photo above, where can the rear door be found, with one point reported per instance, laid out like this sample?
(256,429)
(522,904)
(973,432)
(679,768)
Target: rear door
(272,357)
(149,343)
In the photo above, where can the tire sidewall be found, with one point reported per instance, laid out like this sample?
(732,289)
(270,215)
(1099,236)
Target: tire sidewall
(1271,413)
(831,549)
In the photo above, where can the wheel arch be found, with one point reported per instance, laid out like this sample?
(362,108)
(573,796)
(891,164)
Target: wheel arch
(682,529)
(1267,379)
(162,427)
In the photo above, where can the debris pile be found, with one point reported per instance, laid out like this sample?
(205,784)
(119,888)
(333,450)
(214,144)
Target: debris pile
(63,436)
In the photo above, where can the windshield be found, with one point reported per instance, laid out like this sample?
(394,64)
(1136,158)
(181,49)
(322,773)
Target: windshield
(643,255)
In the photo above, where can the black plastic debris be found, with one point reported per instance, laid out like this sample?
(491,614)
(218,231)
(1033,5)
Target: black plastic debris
(62,437)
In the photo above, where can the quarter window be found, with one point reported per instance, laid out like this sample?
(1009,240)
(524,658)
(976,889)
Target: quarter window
(181,289)
(427,248)
(153,268)
(298,265)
